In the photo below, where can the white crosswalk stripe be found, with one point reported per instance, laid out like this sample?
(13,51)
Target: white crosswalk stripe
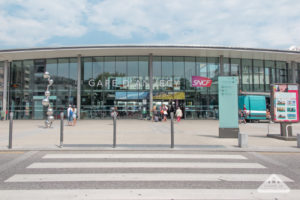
(143,194)
(55,165)
(151,169)
(141,177)
(154,156)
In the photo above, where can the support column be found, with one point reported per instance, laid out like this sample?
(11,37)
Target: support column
(5,92)
(150,68)
(221,65)
(78,85)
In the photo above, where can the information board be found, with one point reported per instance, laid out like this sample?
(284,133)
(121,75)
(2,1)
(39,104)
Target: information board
(228,102)
(285,102)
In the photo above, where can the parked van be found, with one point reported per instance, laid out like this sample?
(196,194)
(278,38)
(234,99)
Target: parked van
(255,106)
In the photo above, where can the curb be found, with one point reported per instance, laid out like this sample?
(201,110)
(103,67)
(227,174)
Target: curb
(167,148)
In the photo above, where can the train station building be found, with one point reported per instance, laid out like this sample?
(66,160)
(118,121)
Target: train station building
(133,78)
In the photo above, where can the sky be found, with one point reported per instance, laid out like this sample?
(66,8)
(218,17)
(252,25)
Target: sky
(273,24)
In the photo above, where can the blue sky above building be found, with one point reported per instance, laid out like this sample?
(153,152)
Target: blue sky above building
(238,23)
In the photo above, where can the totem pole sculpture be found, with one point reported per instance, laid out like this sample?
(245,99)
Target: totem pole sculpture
(46,102)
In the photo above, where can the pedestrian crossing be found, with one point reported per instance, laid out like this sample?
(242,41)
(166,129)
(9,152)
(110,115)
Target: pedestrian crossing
(143,175)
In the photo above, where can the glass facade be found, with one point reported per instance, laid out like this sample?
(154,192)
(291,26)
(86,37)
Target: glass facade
(27,86)
(122,82)
(114,82)
(1,83)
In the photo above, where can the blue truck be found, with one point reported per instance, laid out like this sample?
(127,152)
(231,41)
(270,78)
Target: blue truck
(255,107)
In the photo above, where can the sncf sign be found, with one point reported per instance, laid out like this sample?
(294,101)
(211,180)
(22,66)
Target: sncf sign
(199,81)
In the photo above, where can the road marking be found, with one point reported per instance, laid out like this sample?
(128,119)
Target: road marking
(153,156)
(141,177)
(141,194)
(56,165)
(11,152)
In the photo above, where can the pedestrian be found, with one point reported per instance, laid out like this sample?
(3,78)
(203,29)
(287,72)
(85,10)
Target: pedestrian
(70,115)
(165,112)
(268,115)
(154,113)
(178,114)
(242,116)
(245,114)
(114,112)
(74,116)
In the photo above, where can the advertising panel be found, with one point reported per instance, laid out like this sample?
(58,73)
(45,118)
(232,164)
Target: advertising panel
(285,102)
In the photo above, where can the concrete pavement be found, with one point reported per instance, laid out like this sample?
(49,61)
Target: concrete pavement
(141,134)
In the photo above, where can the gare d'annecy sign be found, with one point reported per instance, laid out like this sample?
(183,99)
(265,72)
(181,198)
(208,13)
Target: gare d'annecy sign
(197,81)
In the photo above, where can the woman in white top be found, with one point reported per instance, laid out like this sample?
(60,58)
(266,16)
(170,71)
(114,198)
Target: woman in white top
(178,114)
(74,115)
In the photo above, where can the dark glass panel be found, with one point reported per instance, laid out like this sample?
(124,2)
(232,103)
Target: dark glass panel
(51,67)
(166,82)
(281,72)
(201,68)
(270,66)
(73,71)
(63,69)
(247,74)
(226,65)
(87,73)
(156,72)
(133,73)
(109,72)
(235,66)
(213,73)
(98,73)
(16,75)
(121,73)
(86,102)
(258,75)
(179,79)
(267,78)
(190,70)
(144,73)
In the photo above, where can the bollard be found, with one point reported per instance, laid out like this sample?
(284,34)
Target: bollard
(61,129)
(243,140)
(298,140)
(115,129)
(172,129)
(11,116)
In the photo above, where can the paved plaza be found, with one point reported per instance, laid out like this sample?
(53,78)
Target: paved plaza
(135,134)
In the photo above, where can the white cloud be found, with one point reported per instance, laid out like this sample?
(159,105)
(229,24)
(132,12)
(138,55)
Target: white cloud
(31,22)
(256,23)
(253,23)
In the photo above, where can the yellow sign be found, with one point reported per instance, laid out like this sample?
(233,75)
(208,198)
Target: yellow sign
(168,96)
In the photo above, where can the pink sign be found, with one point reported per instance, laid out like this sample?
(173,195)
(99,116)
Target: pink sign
(199,81)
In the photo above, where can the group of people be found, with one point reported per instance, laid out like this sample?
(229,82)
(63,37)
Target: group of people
(162,113)
(72,115)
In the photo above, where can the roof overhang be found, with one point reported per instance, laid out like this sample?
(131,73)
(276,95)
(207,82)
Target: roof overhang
(156,50)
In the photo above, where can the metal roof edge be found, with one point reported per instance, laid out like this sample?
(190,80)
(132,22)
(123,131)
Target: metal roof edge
(149,46)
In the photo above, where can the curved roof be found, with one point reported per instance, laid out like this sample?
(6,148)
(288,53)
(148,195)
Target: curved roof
(140,50)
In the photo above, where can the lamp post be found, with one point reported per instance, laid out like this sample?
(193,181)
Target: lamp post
(46,101)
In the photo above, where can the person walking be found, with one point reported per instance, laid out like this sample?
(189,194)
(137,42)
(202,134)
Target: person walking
(74,116)
(165,112)
(154,114)
(70,115)
(178,114)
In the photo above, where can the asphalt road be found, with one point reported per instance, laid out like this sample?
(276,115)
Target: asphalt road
(149,175)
